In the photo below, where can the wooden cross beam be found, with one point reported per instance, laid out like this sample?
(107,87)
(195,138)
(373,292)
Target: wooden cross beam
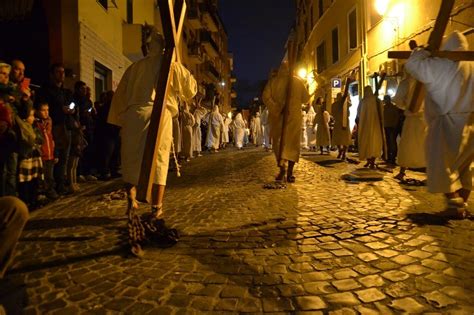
(286,109)
(434,43)
(172,18)
(453,55)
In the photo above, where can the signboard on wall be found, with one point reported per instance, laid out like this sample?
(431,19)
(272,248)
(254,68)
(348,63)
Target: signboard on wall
(336,86)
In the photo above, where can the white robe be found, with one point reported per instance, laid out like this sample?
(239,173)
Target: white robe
(311,126)
(411,149)
(341,134)
(323,135)
(199,113)
(239,131)
(214,130)
(304,136)
(265,128)
(258,136)
(274,97)
(225,130)
(369,129)
(131,109)
(187,124)
(449,113)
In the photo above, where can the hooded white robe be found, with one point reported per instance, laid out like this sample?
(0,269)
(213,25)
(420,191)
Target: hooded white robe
(449,108)
(274,97)
(411,149)
(199,113)
(132,106)
(311,126)
(369,131)
(265,128)
(239,130)
(304,136)
(225,129)
(258,136)
(214,130)
(323,135)
(341,134)
(187,123)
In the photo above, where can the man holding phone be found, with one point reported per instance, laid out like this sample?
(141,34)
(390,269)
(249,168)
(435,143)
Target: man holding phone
(59,100)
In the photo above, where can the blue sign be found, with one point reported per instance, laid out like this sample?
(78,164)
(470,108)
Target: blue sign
(336,83)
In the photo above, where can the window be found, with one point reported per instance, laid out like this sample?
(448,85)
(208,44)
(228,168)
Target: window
(103,3)
(321,8)
(335,45)
(321,57)
(352,31)
(129,11)
(102,79)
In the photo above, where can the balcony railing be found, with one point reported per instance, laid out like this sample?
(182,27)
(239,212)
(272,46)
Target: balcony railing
(209,17)
(209,44)
(195,53)
(211,71)
(193,18)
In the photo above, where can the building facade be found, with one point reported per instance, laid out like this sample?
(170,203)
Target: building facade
(341,38)
(98,39)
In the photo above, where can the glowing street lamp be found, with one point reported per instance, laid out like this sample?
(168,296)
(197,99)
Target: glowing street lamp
(302,73)
(381,6)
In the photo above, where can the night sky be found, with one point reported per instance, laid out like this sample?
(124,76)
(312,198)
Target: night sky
(257,32)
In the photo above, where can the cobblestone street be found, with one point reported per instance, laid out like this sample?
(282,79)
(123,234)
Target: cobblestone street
(323,245)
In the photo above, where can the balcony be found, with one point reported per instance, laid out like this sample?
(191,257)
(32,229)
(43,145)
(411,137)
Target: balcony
(193,19)
(209,44)
(233,94)
(211,72)
(209,17)
(195,53)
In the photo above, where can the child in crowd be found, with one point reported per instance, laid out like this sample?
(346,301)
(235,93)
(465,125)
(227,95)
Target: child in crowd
(44,124)
(78,144)
(30,165)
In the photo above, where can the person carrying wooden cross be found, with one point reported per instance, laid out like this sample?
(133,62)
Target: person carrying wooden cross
(131,109)
(449,113)
(288,131)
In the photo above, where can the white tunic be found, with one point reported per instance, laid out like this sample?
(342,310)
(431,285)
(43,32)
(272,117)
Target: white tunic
(369,128)
(411,149)
(274,97)
(323,135)
(311,126)
(449,108)
(304,136)
(131,109)
(258,135)
(215,123)
(199,113)
(265,128)
(239,131)
(225,130)
(341,134)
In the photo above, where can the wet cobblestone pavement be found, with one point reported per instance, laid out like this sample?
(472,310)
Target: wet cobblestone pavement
(323,245)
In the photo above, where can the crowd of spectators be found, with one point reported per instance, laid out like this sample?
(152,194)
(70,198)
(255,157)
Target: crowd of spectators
(52,138)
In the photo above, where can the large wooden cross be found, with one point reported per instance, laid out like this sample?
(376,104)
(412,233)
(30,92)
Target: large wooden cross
(172,19)
(434,43)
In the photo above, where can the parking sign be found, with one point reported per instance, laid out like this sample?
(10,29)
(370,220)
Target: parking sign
(336,86)
(336,83)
